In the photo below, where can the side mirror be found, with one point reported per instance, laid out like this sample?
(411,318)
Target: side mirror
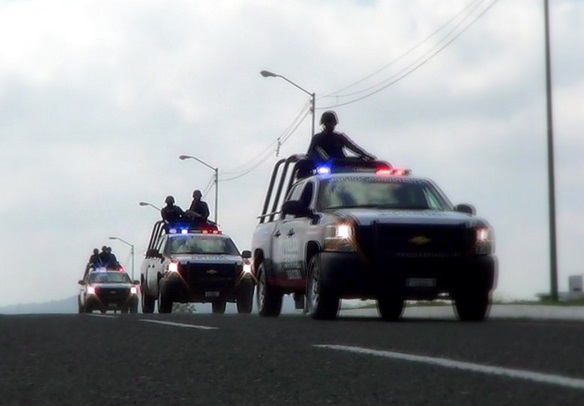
(465,208)
(81,282)
(295,208)
(136,282)
(153,252)
(246,254)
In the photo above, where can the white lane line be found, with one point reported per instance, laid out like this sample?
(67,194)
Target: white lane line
(104,316)
(468,366)
(171,323)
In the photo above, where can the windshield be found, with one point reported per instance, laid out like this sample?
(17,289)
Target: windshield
(109,277)
(201,244)
(380,192)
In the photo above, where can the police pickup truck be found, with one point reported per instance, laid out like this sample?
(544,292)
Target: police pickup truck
(364,230)
(195,263)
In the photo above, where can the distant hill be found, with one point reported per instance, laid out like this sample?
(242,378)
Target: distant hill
(68,305)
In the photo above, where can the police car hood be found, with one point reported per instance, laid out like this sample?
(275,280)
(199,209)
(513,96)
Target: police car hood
(368,216)
(204,258)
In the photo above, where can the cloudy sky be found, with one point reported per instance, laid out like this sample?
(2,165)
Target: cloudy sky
(99,98)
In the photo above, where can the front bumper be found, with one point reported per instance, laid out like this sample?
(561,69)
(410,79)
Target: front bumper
(97,302)
(351,276)
(174,286)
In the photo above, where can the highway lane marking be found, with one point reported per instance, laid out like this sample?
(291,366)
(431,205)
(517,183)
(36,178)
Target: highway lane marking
(105,316)
(172,323)
(539,377)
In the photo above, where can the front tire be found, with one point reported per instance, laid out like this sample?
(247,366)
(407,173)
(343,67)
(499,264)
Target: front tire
(269,299)
(147,303)
(164,302)
(322,303)
(245,297)
(472,306)
(219,306)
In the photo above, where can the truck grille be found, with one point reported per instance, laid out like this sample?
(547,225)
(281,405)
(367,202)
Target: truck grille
(113,294)
(208,276)
(413,241)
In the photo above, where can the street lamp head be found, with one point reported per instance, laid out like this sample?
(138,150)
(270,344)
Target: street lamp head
(183,157)
(267,74)
(143,204)
(113,238)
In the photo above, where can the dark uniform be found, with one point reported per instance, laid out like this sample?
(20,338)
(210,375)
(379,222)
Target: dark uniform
(329,144)
(171,213)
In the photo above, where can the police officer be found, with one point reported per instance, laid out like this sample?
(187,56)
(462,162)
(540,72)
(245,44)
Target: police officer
(199,210)
(329,144)
(94,261)
(171,213)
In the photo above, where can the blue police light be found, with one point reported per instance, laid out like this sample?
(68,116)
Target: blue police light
(323,170)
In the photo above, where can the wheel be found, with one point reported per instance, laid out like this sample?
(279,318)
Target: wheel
(79,306)
(147,303)
(322,303)
(390,306)
(134,307)
(164,302)
(245,297)
(472,306)
(269,299)
(219,306)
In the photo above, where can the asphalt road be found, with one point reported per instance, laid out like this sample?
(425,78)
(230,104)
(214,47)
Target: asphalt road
(201,359)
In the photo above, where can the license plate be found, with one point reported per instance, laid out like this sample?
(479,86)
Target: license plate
(212,294)
(112,305)
(421,282)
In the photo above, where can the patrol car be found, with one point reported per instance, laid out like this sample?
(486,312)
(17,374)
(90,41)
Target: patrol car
(193,262)
(105,290)
(364,230)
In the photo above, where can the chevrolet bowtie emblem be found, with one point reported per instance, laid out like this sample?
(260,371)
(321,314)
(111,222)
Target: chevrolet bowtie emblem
(211,272)
(419,240)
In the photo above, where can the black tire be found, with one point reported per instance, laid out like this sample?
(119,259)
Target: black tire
(268,298)
(147,303)
(245,297)
(134,307)
(390,306)
(219,306)
(322,302)
(472,307)
(164,302)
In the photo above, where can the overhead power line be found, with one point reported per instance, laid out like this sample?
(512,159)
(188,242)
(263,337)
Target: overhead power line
(413,66)
(474,4)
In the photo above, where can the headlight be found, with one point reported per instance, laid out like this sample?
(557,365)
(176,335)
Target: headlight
(90,290)
(174,267)
(246,268)
(339,237)
(484,241)
(133,290)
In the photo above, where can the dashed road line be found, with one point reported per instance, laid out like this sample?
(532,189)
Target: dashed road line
(171,323)
(538,377)
(104,316)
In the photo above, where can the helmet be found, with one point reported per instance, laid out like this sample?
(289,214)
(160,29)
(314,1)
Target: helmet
(169,200)
(95,251)
(329,117)
(197,193)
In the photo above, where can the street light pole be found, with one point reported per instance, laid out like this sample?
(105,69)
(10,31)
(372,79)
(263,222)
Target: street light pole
(216,169)
(131,251)
(268,74)
(550,158)
(149,204)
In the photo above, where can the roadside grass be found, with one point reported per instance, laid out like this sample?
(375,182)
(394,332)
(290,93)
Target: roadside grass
(436,303)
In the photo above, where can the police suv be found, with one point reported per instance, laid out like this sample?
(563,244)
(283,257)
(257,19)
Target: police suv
(364,230)
(195,263)
(105,290)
